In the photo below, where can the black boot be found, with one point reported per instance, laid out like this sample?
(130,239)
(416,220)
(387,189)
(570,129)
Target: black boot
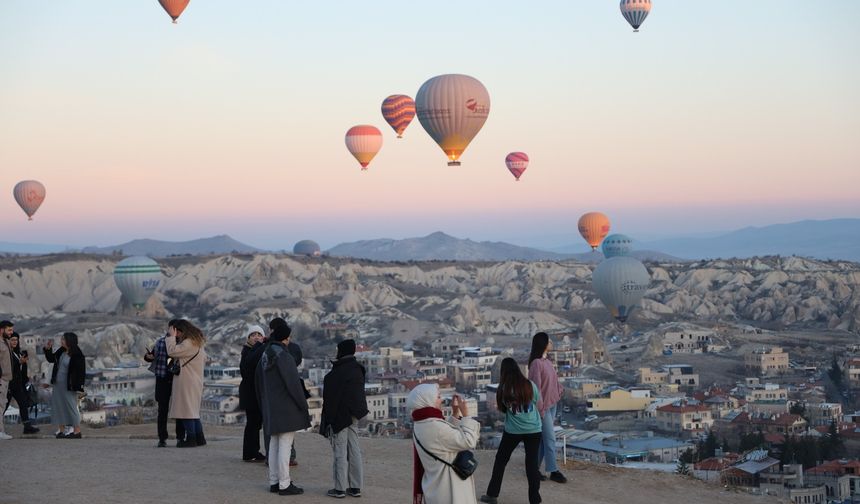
(29,429)
(201,439)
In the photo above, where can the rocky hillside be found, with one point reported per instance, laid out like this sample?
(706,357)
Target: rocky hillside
(503,298)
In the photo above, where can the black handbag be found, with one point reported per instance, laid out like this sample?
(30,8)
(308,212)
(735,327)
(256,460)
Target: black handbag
(464,463)
(174,367)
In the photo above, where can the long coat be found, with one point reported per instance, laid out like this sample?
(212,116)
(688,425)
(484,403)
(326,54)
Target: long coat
(248,367)
(280,393)
(444,439)
(77,368)
(187,392)
(343,395)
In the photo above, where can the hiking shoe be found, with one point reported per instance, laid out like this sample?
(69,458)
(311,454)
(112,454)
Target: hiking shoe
(190,443)
(5,436)
(337,494)
(59,435)
(489,500)
(558,477)
(274,488)
(162,444)
(29,429)
(353,492)
(291,490)
(73,435)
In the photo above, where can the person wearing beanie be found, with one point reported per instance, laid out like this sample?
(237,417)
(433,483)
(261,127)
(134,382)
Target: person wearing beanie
(252,351)
(344,404)
(283,406)
(296,351)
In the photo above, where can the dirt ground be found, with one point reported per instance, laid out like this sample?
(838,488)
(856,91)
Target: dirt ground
(122,465)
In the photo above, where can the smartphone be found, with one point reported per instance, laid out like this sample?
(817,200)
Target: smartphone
(24,353)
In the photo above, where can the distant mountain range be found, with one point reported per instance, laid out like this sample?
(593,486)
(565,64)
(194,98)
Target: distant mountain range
(221,244)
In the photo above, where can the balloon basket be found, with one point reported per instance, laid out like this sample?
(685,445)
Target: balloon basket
(453,163)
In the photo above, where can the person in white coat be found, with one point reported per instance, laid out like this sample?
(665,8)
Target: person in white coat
(433,481)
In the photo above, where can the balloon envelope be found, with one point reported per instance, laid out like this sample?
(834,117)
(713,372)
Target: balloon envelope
(174,8)
(635,12)
(617,245)
(452,109)
(517,162)
(363,142)
(620,282)
(307,247)
(594,226)
(137,278)
(398,111)
(29,194)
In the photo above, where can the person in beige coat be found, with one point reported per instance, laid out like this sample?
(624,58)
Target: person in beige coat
(186,342)
(433,481)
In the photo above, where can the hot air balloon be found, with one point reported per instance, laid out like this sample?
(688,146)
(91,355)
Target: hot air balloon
(617,245)
(398,111)
(594,226)
(174,8)
(308,248)
(620,282)
(452,109)
(517,162)
(137,278)
(29,194)
(635,12)
(363,142)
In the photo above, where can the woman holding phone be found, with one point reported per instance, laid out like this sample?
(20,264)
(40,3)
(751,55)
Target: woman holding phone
(67,377)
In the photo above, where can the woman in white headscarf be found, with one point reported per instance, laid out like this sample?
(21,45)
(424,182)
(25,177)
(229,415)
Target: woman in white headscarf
(433,481)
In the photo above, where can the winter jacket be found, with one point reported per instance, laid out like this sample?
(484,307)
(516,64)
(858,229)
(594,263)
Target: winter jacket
(296,351)
(5,360)
(77,368)
(186,392)
(343,395)
(19,369)
(248,367)
(279,392)
(543,374)
(445,439)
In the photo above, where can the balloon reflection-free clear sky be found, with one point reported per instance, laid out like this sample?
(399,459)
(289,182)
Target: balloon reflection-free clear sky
(713,117)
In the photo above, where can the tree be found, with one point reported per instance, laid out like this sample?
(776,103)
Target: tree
(751,441)
(726,446)
(831,446)
(683,469)
(709,447)
(687,457)
(798,408)
(835,373)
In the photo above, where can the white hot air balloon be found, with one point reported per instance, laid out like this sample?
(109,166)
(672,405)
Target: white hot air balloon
(620,282)
(617,245)
(29,194)
(137,278)
(452,109)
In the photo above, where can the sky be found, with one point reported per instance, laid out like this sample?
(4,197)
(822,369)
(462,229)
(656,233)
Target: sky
(716,116)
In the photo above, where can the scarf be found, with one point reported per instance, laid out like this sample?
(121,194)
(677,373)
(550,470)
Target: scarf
(417,466)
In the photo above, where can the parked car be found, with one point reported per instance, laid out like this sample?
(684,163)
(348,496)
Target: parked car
(566,409)
(590,418)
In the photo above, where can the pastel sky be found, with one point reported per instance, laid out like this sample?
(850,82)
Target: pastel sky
(715,116)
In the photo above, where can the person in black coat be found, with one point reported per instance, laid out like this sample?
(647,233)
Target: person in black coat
(344,404)
(252,350)
(296,351)
(17,387)
(67,377)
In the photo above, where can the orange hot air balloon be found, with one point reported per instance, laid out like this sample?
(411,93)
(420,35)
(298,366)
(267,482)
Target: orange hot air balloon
(363,142)
(174,8)
(29,194)
(398,111)
(594,226)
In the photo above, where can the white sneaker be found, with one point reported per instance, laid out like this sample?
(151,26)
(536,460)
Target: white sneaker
(5,436)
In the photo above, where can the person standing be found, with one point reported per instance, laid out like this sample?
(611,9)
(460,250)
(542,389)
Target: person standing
(284,408)
(543,374)
(344,404)
(252,351)
(17,387)
(517,398)
(67,377)
(157,357)
(296,351)
(185,342)
(6,329)
(433,481)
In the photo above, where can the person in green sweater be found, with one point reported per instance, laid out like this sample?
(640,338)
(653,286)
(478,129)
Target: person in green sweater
(517,398)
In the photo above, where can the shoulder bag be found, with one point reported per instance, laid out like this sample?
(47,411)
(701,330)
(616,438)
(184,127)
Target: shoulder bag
(174,367)
(464,464)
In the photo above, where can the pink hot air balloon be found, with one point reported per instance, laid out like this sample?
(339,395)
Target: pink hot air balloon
(517,163)
(29,194)
(174,8)
(363,142)
(398,111)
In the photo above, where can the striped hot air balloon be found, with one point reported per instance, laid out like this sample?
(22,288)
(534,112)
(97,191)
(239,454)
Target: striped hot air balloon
(517,162)
(398,111)
(635,12)
(452,109)
(29,194)
(594,226)
(617,245)
(620,282)
(137,278)
(174,8)
(363,142)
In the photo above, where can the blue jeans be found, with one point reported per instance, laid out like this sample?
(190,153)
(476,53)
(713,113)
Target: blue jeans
(193,427)
(547,442)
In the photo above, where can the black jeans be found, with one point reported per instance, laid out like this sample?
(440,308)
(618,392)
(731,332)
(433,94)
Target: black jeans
(253,424)
(163,388)
(16,391)
(503,455)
